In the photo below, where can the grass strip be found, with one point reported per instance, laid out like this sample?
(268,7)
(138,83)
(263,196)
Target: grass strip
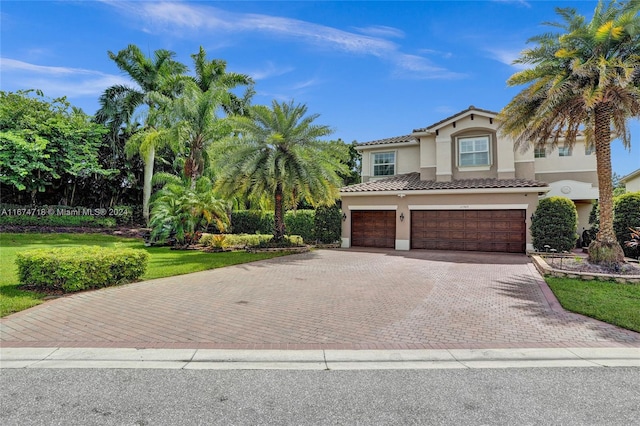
(608,301)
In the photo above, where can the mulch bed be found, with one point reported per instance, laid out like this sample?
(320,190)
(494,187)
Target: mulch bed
(583,265)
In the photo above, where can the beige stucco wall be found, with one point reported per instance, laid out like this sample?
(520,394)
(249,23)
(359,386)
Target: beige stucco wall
(584,209)
(525,170)
(446,201)
(550,177)
(407,159)
(633,185)
(578,161)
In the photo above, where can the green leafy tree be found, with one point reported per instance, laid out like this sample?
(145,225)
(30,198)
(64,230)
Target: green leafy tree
(158,74)
(584,79)
(278,152)
(46,144)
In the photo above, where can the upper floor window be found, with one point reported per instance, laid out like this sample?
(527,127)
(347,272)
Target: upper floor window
(564,151)
(384,163)
(540,152)
(473,151)
(589,149)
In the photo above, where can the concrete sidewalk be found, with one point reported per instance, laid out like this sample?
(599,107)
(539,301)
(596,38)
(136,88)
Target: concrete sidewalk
(225,359)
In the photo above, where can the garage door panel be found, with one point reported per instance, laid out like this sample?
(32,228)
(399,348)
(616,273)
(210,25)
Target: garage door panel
(370,228)
(474,230)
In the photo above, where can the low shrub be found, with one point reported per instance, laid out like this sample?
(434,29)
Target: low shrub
(80,268)
(221,241)
(626,215)
(554,224)
(61,221)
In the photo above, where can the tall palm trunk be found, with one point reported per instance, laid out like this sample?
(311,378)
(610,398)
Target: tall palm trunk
(605,249)
(146,189)
(278,215)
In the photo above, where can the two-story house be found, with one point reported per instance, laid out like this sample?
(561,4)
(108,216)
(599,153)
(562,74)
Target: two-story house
(459,185)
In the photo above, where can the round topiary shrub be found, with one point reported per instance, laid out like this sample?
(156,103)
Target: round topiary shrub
(626,214)
(554,225)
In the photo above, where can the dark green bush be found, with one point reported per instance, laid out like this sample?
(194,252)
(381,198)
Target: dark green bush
(626,214)
(79,268)
(554,224)
(300,222)
(328,224)
(251,222)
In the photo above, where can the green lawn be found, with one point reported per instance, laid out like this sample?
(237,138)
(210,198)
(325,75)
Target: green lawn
(617,304)
(163,262)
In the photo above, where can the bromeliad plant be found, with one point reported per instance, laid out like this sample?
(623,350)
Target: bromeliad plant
(182,213)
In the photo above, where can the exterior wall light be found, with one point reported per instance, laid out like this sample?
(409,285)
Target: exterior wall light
(402,217)
(344,217)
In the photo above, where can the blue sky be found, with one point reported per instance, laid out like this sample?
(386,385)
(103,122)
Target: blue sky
(370,69)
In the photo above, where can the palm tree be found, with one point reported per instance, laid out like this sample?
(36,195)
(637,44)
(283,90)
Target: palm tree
(193,116)
(278,152)
(213,73)
(585,79)
(119,103)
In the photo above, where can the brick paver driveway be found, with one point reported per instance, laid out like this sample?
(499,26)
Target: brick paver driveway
(323,299)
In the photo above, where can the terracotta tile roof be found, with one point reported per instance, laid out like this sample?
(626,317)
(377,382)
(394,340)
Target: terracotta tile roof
(412,182)
(387,141)
(471,108)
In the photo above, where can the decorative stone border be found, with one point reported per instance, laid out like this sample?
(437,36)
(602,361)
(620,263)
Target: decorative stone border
(543,267)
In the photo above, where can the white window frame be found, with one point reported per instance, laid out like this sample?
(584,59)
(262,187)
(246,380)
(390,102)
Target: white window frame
(589,149)
(478,166)
(565,151)
(539,152)
(394,163)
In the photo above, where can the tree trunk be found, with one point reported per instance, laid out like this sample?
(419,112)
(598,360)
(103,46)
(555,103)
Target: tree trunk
(278,216)
(146,189)
(605,249)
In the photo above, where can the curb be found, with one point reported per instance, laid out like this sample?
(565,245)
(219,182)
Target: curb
(321,359)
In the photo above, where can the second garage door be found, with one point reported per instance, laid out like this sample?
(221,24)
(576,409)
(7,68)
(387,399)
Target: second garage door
(371,228)
(477,230)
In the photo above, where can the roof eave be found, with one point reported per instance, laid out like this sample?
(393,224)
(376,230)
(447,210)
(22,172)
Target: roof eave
(528,190)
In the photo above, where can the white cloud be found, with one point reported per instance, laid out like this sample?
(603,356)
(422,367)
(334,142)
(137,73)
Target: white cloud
(507,57)
(56,81)
(381,31)
(518,2)
(269,70)
(304,84)
(187,19)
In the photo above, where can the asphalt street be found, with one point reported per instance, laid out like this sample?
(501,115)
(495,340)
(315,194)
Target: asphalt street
(520,396)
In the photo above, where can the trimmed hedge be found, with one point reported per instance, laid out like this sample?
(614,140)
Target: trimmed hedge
(323,225)
(554,224)
(80,268)
(328,224)
(252,222)
(626,215)
(301,222)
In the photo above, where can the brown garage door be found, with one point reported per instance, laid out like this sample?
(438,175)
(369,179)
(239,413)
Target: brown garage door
(477,230)
(373,228)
